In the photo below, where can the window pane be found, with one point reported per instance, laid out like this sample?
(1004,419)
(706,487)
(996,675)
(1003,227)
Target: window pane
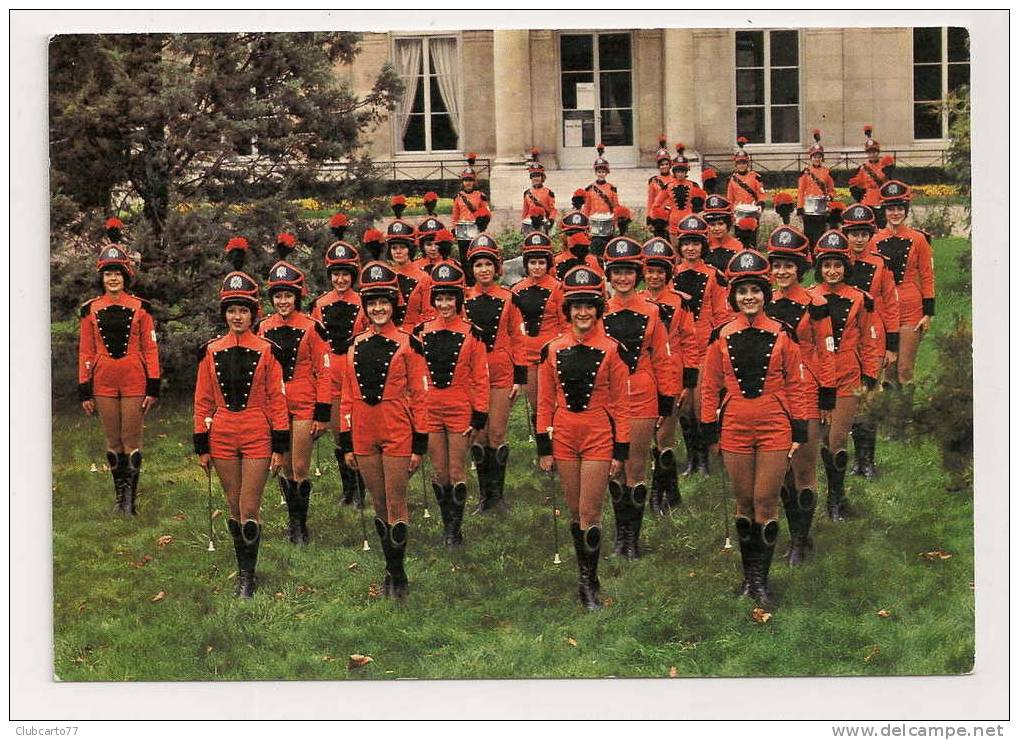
(785,124)
(926,45)
(404,44)
(443,136)
(958,74)
(958,45)
(414,138)
(617,127)
(750,123)
(926,122)
(750,48)
(419,95)
(784,49)
(576,52)
(438,104)
(749,87)
(570,88)
(614,51)
(586,119)
(927,82)
(785,86)
(615,90)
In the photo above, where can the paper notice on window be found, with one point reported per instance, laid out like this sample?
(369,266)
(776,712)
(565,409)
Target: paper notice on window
(573,133)
(585,96)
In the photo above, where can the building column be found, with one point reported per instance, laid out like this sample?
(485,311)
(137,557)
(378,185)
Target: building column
(679,88)
(512,67)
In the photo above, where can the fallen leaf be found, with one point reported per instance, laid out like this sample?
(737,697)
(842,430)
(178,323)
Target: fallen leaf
(884,613)
(159,597)
(233,574)
(162,436)
(165,540)
(571,641)
(302,589)
(208,649)
(373,591)
(180,517)
(217,514)
(328,658)
(871,652)
(141,563)
(352,566)
(691,574)
(81,607)
(358,661)
(279,595)
(936,555)
(608,601)
(558,513)
(759,615)
(673,672)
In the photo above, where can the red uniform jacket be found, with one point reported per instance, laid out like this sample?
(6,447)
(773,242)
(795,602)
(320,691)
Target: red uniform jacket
(871,274)
(722,250)
(675,314)
(656,185)
(238,373)
(871,176)
(497,319)
(415,288)
(342,317)
(303,353)
(746,188)
(634,322)
(814,181)
(808,317)
(541,197)
(113,330)
(600,198)
(566,363)
(540,304)
(677,201)
(857,351)
(709,299)
(457,365)
(753,362)
(911,259)
(468,206)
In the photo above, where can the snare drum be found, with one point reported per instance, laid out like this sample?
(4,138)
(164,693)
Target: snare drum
(466,230)
(747,210)
(601,224)
(815,205)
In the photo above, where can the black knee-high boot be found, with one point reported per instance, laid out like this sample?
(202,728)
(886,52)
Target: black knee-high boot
(657,483)
(587,544)
(443,496)
(670,480)
(835,471)
(799,510)
(745,533)
(620,510)
(117,463)
(134,466)
(457,502)
(249,536)
(483,467)
(638,496)
(303,503)
(293,500)
(766,535)
(689,429)
(500,460)
(859,449)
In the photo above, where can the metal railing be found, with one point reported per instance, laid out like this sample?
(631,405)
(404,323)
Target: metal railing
(418,169)
(796,160)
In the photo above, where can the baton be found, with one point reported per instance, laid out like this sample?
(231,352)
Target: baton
(556,560)
(212,547)
(318,460)
(92,444)
(723,477)
(424,489)
(360,512)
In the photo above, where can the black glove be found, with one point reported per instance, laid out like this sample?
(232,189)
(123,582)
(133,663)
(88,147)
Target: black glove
(799,212)
(482,222)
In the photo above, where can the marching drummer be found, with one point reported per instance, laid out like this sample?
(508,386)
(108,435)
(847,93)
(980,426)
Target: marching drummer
(538,196)
(865,185)
(722,245)
(656,185)
(601,199)
(746,188)
(471,213)
(682,197)
(426,231)
(815,189)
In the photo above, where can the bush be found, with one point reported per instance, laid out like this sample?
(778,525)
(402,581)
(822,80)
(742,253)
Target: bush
(937,221)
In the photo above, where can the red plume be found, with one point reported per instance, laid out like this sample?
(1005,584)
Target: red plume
(868,131)
(113,228)
(746,224)
(339,220)
(742,141)
(782,198)
(236,250)
(285,244)
(237,242)
(534,153)
(536,211)
(579,193)
(373,241)
(601,149)
(622,212)
(817,134)
(709,174)
(680,148)
(662,141)
(471,156)
(429,197)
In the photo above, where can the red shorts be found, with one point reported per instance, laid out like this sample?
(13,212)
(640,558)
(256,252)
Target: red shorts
(814,394)
(384,428)
(642,396)
(300,399)
(337,365)
(236,435)
(752,425)
(500,369)
(119,378)
(584,435)
(910,305)
(848,374)
(447,410)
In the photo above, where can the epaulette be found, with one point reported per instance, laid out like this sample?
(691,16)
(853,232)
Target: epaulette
(416,331)
(551,193)
(790,331)
(868,300)
(86,308)
(651,179)
(484,197)
(415,343)
(543,353)
(147,305)
(928,237)
(200,354)
(526,191)
(321,330)
(720,278)
(614,188)
(717,331)
(588,188)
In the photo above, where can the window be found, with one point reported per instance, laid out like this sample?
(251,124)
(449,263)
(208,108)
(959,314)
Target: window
(597,89)
(768,86)
(940,67)
(428,117)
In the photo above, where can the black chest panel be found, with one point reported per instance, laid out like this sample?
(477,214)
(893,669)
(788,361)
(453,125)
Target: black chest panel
(666,312)
(862,275)
(372,359)
(235,372)
(485,312)
(288,341)
(577,367)
(531,302)
(692,282)
(407,284)
(338,319)
(839,309)
(441,350)
(786,310)
(115,328)
(566,265)
(628,328)
(896,250)
(750,353)
(719,257)
(681,195)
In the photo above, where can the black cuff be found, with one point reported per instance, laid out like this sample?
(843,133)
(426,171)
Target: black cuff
(892,341)
(84,391)
(520,374)
(419,443)
(709,432)
(281,441)
(826,398)
(544,441)
(666,404)
(690,376)
(201,440)
(479,420)
(928,306)
(152,387)
(345,441)
(800,431)
(323,412)
(621,451)
(869,382)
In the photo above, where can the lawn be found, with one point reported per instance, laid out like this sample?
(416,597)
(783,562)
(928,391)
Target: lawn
(889,592)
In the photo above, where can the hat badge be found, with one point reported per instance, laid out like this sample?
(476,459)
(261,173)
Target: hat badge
(236,282)
(747,260)
(583,277)
(281,272)
(375,273)
(785,237)
(443,272)
(111,252)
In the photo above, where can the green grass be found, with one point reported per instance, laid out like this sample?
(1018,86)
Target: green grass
(501,608)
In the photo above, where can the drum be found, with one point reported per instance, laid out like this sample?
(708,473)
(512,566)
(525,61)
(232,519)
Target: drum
(815,205)
(601,224)
(746,210)
(466,231)
(526,227)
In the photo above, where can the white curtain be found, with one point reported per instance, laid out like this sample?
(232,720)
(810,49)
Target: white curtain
(443,55)
(408,64)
